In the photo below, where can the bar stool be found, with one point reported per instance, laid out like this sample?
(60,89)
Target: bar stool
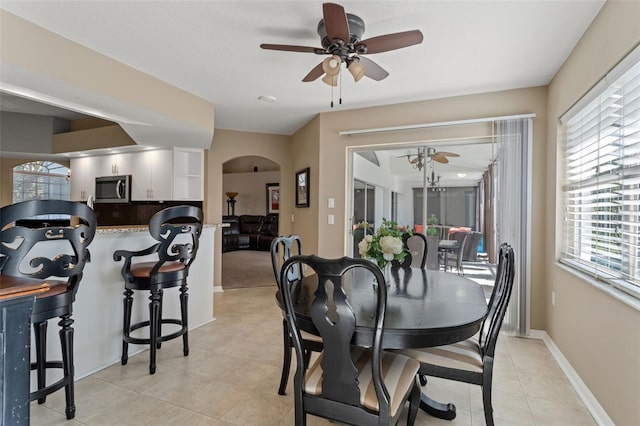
(177,230)
(61,253)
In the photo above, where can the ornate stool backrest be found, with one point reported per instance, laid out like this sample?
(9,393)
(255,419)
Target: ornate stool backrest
(51,251)
(178,231)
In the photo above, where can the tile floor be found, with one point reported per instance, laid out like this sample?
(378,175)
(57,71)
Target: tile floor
(232,374)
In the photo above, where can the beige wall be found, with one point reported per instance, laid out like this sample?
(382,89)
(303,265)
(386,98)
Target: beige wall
(229,144)
(598,334)
(333,158)
(252,191)
(304,153)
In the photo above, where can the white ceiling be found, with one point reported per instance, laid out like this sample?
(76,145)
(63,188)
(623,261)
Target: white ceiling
(211,49)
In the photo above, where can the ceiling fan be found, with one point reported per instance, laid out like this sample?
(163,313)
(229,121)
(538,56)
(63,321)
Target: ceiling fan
(418,160)
(341,37)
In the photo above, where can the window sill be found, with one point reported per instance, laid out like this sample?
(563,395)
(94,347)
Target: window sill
(609,289)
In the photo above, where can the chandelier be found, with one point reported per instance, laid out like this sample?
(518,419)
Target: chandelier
(417,160)
(433,181)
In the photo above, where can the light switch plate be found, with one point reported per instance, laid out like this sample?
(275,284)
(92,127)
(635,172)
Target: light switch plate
(331,219)
(332,203)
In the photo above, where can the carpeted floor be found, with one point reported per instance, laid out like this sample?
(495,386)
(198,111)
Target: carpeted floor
(246,269)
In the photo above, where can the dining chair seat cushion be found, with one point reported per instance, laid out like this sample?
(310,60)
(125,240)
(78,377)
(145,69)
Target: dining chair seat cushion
(55,288)
(398,374)
(463,355)
(143,269)
(310,337)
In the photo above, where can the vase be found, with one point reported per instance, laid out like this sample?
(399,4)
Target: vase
(386,272)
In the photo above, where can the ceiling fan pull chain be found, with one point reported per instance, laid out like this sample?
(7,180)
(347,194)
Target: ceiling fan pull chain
(340,98)
(331,96)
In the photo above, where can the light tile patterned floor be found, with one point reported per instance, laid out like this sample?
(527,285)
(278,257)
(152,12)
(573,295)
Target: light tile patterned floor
(233,370)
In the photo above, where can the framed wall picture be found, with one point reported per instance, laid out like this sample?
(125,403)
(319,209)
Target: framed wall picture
(302,188)
(273,198)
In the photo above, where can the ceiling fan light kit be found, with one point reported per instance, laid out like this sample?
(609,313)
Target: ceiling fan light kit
(341,37)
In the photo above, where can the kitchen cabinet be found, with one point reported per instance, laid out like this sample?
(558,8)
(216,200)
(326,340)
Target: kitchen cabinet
(83,177)
(151,178)
(188,174)
(115,165)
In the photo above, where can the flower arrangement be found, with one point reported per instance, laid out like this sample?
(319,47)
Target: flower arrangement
(385,245)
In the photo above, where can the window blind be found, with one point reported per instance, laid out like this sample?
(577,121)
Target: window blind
(601,190)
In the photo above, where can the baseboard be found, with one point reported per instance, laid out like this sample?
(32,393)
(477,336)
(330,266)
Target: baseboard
(595,409)
(218,289)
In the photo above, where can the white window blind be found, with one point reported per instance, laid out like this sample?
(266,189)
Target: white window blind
(601,190)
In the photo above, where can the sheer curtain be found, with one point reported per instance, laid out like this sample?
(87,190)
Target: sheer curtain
(512,201)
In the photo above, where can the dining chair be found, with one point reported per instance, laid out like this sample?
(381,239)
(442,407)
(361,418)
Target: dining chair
(416,246)
(471,361)
(456,261)
(57,254)
(283,248)
(345,383)
(177,230)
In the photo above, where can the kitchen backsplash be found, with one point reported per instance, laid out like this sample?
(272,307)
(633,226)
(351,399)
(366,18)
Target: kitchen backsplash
(134,213)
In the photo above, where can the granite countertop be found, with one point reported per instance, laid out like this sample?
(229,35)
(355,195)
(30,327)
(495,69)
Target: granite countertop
(120,229)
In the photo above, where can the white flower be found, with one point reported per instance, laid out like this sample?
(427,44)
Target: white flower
(363,247)
(368,238)
(390,246)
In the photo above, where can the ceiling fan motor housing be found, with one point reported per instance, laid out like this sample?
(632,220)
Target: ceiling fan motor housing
(356,31)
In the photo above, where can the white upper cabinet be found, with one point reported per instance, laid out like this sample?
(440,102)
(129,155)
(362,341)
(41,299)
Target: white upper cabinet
(115,165)
(83,177)
(151,177)
(188,174)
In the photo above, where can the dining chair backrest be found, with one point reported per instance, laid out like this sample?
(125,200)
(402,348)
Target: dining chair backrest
(282,248)
(499,300)
(462,237)
(334,319)
(50,251)
(416,246)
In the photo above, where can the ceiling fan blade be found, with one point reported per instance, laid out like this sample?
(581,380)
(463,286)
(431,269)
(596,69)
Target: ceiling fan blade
(335,22)
(374,71)
(415,160)
(440,159)
(290,48)
(448,154)
(314,73)
(385,43)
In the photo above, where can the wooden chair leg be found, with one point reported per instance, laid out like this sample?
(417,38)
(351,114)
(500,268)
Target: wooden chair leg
(184,312)
(486,391)
(40,333)
(286,359)
(154,313)
(126,324)
(66,340)
(414,403)
(159,341)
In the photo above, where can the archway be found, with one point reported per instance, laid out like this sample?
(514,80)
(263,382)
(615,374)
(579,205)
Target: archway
(250,188)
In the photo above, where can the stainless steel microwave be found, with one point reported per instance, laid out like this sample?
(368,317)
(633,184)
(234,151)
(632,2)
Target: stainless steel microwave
(113,189)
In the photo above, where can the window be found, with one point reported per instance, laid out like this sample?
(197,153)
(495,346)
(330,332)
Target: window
(601,191)
(40,180)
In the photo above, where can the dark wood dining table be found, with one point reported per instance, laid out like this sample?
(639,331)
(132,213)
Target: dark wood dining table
(16,303)
(425,308)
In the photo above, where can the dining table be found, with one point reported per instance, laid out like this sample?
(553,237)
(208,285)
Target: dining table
(425,308)
(17,296)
